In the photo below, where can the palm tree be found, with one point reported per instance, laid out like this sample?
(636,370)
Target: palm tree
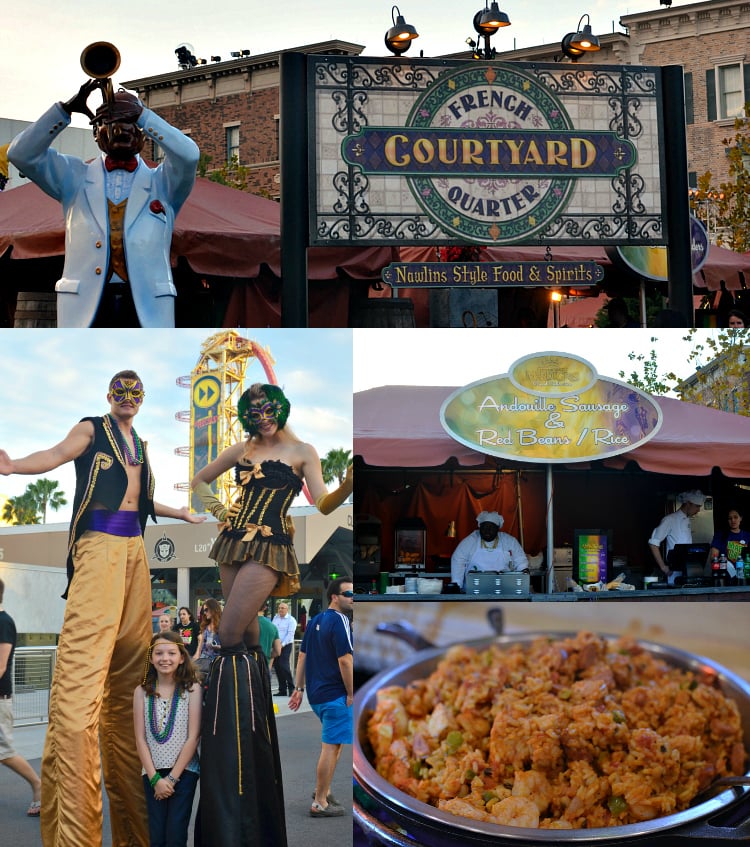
(20,510)
(334,465)
(44,493)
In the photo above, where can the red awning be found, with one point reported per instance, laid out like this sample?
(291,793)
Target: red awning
(399,426)
(220,231)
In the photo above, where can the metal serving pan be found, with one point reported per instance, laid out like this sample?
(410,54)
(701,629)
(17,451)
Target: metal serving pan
(724,818)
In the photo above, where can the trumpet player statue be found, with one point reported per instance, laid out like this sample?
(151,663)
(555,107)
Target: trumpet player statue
(119,212)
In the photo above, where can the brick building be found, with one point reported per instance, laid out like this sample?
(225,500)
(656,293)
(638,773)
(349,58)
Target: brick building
(711,40)
(724,382)
(231,110)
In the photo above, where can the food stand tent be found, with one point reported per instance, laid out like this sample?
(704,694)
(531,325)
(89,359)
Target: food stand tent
(410,466)
(222,234)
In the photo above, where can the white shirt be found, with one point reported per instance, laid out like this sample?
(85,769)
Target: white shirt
(286,626)
(674,529)
(508,555)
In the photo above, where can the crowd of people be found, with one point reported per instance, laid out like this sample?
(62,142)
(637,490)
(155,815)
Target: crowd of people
(142,730)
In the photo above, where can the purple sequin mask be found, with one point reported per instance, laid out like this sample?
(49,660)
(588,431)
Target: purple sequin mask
(127,391)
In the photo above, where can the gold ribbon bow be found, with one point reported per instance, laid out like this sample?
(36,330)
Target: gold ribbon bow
(253,529)
(255,473)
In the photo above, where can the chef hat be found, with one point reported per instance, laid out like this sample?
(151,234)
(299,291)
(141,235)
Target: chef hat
(490,517)
(696,497)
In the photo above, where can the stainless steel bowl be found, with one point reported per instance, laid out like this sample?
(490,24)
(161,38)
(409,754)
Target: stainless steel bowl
(435,828)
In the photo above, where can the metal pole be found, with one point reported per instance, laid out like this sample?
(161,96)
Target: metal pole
(550,532)
(679,258)
(642,295)
(294,189)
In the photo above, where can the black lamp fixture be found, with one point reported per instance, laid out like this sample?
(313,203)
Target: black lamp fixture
(487,22)
(575,44)
(399,37)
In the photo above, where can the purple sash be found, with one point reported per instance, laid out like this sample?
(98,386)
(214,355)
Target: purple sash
(124,524)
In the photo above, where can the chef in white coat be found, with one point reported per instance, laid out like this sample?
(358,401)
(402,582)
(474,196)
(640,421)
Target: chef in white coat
(487,549)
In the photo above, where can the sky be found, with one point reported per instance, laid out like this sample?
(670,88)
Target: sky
(52,378)
(41,41)
(455,357)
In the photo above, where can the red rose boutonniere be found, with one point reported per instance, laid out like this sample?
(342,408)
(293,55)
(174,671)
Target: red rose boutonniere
(156,207)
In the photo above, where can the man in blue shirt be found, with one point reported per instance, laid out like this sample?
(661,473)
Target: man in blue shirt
(326,660)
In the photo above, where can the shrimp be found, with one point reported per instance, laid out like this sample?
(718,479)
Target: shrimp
(516,811)
(534,786)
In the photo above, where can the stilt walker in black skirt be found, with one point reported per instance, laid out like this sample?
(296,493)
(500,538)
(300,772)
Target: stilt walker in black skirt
(242,800)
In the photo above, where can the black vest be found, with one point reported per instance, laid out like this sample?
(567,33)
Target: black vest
(101,477)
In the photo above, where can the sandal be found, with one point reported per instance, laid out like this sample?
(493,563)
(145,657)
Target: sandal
(35,809)
(317,811)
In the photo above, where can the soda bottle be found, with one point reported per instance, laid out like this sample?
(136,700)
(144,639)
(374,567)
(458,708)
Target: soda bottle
(747,566)
(723,575)
(373,587)
(715,572)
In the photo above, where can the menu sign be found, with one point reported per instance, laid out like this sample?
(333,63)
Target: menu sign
(592,553)
(551,407)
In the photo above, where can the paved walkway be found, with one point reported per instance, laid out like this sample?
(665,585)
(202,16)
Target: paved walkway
(299,739)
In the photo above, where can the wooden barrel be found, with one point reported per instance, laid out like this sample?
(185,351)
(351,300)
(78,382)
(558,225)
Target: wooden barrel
(384,312)
(35,309)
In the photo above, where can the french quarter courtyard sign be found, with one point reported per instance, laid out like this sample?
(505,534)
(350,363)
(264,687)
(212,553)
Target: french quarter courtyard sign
(490,153)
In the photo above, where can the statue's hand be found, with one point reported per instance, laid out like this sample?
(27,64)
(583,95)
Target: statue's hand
(78,103)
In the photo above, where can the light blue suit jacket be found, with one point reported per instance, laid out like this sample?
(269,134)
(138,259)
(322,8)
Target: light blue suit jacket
(147,235)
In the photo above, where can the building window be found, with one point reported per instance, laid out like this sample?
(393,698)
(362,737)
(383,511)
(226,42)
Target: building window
(157,154)
(233,143)
(731,97)
(726,87)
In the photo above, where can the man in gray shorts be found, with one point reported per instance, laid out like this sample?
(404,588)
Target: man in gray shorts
(8,755)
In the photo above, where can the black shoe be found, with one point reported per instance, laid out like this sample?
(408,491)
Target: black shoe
(279,694)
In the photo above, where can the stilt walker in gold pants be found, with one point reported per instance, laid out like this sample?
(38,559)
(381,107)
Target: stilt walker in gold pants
(104,638)
(106,629)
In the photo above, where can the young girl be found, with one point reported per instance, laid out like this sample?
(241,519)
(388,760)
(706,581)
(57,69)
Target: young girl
(167,717)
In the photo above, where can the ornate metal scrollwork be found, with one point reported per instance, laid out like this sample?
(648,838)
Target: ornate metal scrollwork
(349,116)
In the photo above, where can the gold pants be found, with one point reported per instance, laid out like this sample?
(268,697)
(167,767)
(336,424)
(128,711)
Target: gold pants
(100,661)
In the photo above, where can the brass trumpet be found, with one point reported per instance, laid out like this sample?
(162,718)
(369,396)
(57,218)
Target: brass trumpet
(99,61)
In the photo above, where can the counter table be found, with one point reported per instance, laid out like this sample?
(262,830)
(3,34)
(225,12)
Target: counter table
(661,595)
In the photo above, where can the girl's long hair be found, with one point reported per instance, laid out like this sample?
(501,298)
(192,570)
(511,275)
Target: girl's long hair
(184,675)
(215,609)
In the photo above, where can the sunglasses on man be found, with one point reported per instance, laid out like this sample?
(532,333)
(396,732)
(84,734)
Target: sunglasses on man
(346,594)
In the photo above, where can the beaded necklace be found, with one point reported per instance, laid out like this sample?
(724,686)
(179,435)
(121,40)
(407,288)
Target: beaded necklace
(131,459)
(163,733)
